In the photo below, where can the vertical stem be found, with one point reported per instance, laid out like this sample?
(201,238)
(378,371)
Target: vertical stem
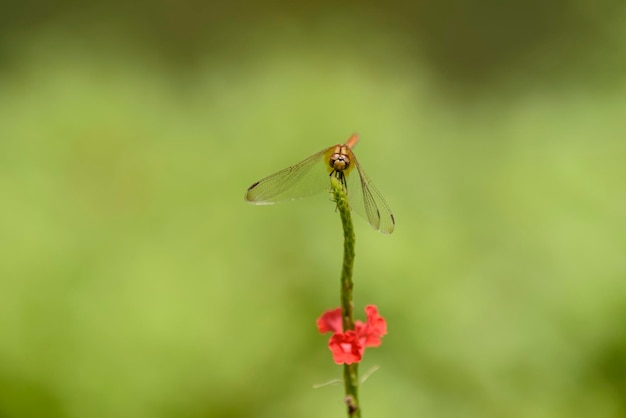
(350,371)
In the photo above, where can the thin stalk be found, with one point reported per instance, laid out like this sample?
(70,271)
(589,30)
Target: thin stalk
(350,371)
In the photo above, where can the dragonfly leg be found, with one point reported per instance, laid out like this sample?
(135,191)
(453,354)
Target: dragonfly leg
(339,175)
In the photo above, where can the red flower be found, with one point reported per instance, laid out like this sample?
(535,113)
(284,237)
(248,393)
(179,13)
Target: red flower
(348,347)
(330,321)
(374,329)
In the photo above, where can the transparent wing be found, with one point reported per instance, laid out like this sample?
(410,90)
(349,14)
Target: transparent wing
(304,179)
(366,200)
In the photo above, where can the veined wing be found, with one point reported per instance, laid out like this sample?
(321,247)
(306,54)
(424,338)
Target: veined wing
(303,179)
(367,201)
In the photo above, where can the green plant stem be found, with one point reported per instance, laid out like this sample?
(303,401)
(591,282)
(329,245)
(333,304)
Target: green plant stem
(350,371)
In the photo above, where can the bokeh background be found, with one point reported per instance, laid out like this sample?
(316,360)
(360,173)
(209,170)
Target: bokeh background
(135,281)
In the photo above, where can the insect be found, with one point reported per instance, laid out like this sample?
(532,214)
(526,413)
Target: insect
(311,176)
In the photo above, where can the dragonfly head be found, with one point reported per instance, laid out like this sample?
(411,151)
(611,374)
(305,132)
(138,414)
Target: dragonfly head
(340,160)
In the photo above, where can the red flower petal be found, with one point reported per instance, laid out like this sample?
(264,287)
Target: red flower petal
(346,348)
(330,321)
(370,332)
(376,323)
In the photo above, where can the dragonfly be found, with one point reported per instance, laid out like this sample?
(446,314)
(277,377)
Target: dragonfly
(311,176)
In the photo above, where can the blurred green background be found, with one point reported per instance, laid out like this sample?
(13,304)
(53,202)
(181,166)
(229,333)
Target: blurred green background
(135,281)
